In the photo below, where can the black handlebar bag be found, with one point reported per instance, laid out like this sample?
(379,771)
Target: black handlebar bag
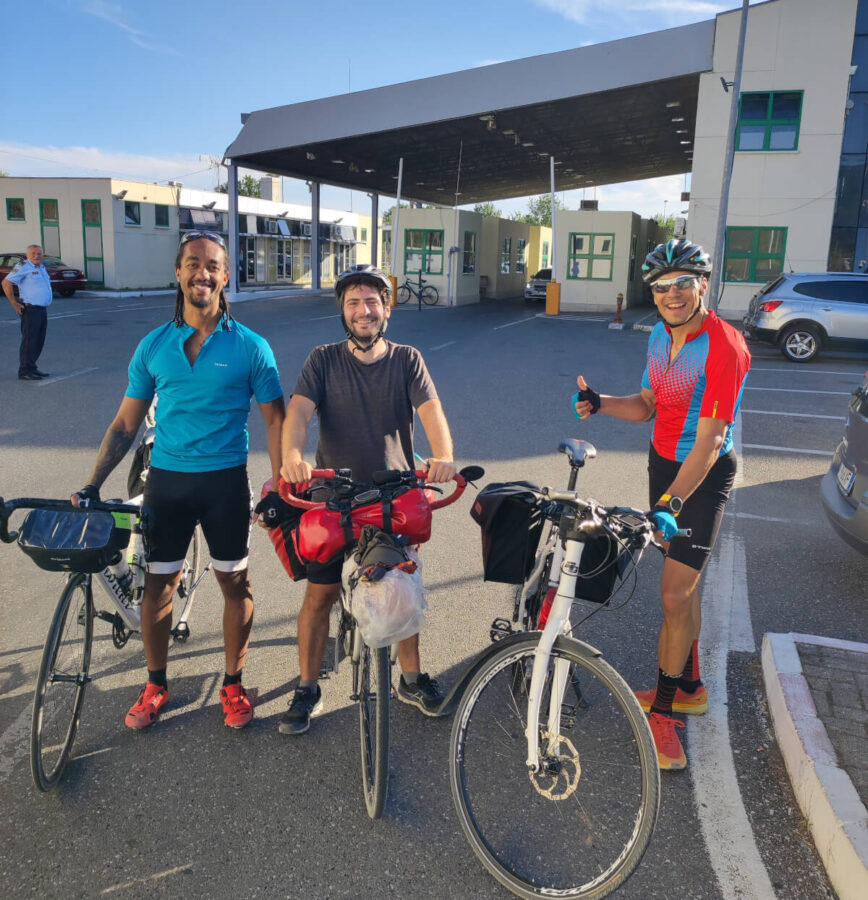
(74,541)
(511,520)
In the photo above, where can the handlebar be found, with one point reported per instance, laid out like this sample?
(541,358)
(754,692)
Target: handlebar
(9,506)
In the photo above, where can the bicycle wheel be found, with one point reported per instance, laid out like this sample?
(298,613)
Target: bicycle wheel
(63,676)
(404,294)
(579,826)
(429,295)
(375,691)
(187,587)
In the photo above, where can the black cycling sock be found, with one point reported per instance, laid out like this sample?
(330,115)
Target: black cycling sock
(157,677)
(231,679)
(667,685)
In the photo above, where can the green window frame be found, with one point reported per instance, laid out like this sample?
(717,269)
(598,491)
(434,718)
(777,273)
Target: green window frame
(754,254)
(590,257)
(423,251)
(468,266)
(15,209)
(769,121)
(506,256)
(161,215)
(520,245)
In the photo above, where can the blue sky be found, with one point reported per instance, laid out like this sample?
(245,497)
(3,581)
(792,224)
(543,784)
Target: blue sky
(150,90)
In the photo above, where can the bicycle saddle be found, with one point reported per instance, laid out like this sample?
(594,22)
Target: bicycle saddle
(577,451)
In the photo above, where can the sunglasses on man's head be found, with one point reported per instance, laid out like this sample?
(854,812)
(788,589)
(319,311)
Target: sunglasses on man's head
(197,235)
(681,283)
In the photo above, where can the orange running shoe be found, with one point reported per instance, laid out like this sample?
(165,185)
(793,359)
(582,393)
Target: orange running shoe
(145,710)
(236,705)
(695,704)
(670,753)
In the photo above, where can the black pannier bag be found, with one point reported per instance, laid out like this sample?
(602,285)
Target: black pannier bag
(72,541)
(602,563)
(511,520)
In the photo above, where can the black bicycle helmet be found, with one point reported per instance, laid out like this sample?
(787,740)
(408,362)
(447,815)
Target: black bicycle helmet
(364,273)
(675,256)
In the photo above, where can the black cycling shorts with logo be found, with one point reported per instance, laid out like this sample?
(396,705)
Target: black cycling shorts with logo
(220,501)
(703,509)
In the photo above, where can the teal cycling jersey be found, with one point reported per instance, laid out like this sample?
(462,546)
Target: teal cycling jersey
(203,408)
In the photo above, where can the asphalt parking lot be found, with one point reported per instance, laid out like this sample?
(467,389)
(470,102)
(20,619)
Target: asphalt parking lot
(193,809)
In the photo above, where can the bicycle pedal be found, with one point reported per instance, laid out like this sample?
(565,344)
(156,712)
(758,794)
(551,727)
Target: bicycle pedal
(500,629)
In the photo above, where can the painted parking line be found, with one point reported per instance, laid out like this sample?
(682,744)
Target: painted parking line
(441,346)
(560,318)
(773,412)
(800,391)
(516,322)
(55,378)
(828,453)
(317,318)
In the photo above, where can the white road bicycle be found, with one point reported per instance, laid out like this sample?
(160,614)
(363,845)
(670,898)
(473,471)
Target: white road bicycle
(552,765)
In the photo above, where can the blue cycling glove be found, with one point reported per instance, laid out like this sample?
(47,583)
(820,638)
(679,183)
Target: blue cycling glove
(665,522)
(589,395)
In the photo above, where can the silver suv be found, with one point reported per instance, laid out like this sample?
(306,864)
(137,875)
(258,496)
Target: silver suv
(535,289)
(802,312)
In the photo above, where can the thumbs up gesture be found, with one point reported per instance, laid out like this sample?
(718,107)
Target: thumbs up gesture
(586,401)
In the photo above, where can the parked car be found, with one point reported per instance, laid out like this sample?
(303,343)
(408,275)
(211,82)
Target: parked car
(535,289)
(65,280)
(802,312)
(844,487)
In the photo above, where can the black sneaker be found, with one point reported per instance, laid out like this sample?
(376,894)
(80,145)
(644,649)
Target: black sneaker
(425,694)
(30,376)
(306,703)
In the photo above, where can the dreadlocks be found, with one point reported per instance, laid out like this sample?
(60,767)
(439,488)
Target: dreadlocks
(178,317)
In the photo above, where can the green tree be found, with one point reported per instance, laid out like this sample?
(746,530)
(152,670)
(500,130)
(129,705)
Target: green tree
(248,186)
(488,209)
(539,210)
(387,215)
(667,226)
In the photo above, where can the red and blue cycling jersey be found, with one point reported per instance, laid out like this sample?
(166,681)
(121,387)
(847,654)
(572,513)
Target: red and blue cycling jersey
(705,380)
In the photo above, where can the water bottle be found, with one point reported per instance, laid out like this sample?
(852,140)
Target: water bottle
(118,578)
(138,565)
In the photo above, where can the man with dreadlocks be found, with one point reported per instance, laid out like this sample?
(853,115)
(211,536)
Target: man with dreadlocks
(364,391)
(205,367)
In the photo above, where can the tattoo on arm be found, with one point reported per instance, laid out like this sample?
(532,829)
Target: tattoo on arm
(112,450)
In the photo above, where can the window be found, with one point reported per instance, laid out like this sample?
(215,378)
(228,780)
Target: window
(423,251)
(769,121)
(364,237)
(505,256)
(545,255)
(590,256)
(520,244)
(469,263)
(161,215)
(132,213)
(844,290)
(15,209)
(754,254)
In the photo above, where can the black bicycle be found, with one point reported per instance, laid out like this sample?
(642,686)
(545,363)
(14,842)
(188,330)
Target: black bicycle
(423,292)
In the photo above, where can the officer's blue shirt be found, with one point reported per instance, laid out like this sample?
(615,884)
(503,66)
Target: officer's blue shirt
(203,409)
(34,283)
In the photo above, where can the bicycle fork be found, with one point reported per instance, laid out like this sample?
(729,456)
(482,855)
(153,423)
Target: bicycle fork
(558,623)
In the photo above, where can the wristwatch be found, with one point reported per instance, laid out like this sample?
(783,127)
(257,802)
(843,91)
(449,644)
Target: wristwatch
(673,504)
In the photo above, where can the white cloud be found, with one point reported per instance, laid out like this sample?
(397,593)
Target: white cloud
(584,11)
(114,14)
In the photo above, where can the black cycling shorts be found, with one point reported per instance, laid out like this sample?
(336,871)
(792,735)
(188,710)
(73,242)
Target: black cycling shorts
(220,501)
(703,509)
(325,573)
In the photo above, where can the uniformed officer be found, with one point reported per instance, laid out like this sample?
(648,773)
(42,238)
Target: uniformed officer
(34,290)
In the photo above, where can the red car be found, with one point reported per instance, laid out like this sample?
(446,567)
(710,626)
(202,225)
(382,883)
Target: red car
(64,279)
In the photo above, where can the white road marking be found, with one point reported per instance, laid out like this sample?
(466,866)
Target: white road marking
(516,322)
(65,316)
(318,318)
(561,318)
(789,449)
(441,346)
(792,391)
(155,877)
(726,626)
(774,412)
(55,378)
(771,519)
(121,308)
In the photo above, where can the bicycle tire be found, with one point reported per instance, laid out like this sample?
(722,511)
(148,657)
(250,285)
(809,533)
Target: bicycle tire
(429,295)
(60,684)
(187,586)
(404,294)
(586,836)
(375,691)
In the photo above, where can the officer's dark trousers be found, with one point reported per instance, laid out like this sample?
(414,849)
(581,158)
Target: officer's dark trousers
(34,323)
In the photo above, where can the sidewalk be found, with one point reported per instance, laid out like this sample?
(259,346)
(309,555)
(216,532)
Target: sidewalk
(817,689)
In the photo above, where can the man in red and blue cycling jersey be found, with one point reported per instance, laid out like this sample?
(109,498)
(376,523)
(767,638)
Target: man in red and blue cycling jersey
(696,368)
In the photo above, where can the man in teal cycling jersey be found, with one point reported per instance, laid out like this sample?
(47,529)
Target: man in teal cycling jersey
(205,367)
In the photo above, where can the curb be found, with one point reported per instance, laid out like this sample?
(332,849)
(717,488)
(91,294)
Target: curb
(835,814)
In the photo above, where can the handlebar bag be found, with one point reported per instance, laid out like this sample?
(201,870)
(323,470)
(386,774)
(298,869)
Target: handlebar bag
(601,565)
(511,520)
(74,540)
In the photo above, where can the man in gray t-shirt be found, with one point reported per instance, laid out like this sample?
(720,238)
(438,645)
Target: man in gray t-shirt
(364,391)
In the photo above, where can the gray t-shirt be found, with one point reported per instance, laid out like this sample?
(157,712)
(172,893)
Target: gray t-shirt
(365,412)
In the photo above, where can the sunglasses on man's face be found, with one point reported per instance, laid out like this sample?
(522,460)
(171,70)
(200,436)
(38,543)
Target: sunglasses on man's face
(681,283)
(198,235)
